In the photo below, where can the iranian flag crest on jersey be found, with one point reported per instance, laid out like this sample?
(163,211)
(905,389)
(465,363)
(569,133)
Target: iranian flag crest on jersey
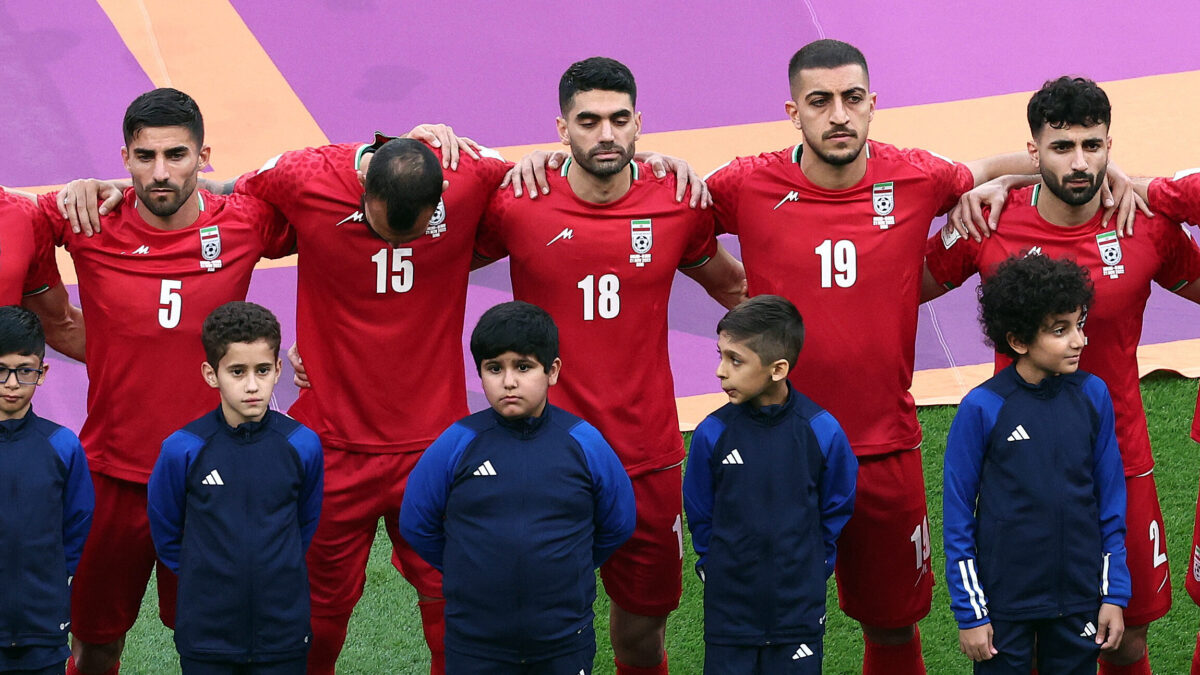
(1110,247)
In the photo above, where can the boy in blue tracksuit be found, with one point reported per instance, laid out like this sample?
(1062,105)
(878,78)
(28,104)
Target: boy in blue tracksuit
(769,485)
(46,512)
(1034,495)
(517,505)
(233,504)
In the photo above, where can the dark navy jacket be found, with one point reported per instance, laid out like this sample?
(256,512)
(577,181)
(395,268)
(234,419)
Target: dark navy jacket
(1034,501)
(767,492)
(518,514)
(47,501)
(232,512)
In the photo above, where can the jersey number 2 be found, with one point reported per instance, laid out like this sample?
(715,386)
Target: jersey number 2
(401,276)
(171,301)
(839,263)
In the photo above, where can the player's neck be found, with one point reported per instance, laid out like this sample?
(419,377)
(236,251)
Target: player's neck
(187,214)
(598,189)
(831,176)
(1057,212)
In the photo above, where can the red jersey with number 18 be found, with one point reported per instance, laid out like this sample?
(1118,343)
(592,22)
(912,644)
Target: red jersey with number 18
(145,293)
(1121,270)
(27,264)
(604,272)
(379,328)
(850,260)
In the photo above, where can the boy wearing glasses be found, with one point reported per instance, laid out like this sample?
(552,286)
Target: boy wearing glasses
(48,507)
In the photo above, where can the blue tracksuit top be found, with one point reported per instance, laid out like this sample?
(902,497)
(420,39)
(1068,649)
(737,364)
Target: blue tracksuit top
(767,492)
(517,514)
(47,497)
(1034,501)
(232,512)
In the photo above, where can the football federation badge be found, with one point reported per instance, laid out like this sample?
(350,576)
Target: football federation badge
(643,239)
(884,199)
(210,248)
(437,223)
(949,235)
(1110,253)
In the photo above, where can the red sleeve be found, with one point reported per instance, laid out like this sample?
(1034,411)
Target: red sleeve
(1178,199)
(58,226)
(950,179)
(702,244)
(725,185)
(281,178)
(43,269)
(1180,256)
(951,258)
(489,171)
(489,239)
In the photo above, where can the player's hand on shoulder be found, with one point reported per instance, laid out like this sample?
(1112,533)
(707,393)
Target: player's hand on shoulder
(967,216)
(529,173)
(1111,628)
(687,181)
(84,200)
(443,136)
(976,642)
(300,377)
(1120,199)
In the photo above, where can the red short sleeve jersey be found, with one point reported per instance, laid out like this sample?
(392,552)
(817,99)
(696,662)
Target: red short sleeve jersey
(1121,270)
(145,293)
(379,328)
(850,260)
(27,265)
(604,272)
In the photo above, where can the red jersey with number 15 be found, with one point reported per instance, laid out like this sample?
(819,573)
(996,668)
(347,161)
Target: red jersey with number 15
(145,293)
(850,260)
(1121,270)
(1179,199)
(27,264)
(604,272)
(379,328)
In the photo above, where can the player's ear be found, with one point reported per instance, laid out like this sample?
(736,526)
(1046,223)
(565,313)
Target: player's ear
(871,113)
(1032,149)
(561,125)
(205,152)
(793,113)
(637,125)
(210,375)
(125,157)
(779,370)
(553,374)
(1016,344)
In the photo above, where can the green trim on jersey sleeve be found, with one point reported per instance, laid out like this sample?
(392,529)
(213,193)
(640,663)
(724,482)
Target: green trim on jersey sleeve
(699,263)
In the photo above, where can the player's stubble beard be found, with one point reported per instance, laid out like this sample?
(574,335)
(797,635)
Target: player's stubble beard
(839,158)
(166,209)
(603,168)
(1070,196)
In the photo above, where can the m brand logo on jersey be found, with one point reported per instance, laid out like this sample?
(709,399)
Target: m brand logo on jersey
(792,196)
(210,248)
(884,199)
(437,223)
(1110,253)
(643,239)
(356,217)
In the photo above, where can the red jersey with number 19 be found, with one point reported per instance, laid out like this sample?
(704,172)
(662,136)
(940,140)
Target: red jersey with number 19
(1179,199)
(850,260)
(379,328)
(27,264)
(1121,270)
(604,272)
(145,293)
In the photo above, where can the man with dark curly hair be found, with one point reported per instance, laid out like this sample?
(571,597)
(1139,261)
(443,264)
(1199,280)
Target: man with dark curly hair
(1034,498)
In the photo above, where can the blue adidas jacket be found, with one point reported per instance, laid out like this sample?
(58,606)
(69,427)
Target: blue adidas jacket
(47,497)
(767,492)
(232,512)
(1034,501)
(518,514)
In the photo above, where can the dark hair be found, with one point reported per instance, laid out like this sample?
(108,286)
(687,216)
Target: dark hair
(21,332)
(769,326)
(597,72)
(1066,102)
(238,322)
(407,176)
(164,107)
(1024,291)
(515,327)
(825,54)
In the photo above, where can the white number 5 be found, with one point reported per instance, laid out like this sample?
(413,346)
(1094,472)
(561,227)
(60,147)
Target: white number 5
(172,301)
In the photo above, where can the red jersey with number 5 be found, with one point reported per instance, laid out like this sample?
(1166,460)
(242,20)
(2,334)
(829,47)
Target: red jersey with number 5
(27,265)
(1121,270)
(604,272)
(850,260)
(145,293)
(379,328)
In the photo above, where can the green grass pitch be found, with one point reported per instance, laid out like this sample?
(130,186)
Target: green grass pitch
(385,633)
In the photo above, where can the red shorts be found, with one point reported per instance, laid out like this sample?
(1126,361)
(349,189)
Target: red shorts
(117,558)
(645,575)
(883,572)
(361,488)
(1192,583)
(1146,552)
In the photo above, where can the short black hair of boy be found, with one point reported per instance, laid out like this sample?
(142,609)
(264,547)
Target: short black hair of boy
(21,332)
(1024,291)
(597,72)
(238,322)
(407,177)
(517,327)
(769,325)
(825,54)
(1068,102)
(164,107)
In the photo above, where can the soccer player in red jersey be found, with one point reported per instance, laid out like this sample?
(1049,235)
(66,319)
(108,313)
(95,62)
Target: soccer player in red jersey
(1061,217)
(599,252)
(837,225)
(166,258)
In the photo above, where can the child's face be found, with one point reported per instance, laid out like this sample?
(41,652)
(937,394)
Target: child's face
(516,385)
(1055,349)
(15,395)
(743,375)
(246,376)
